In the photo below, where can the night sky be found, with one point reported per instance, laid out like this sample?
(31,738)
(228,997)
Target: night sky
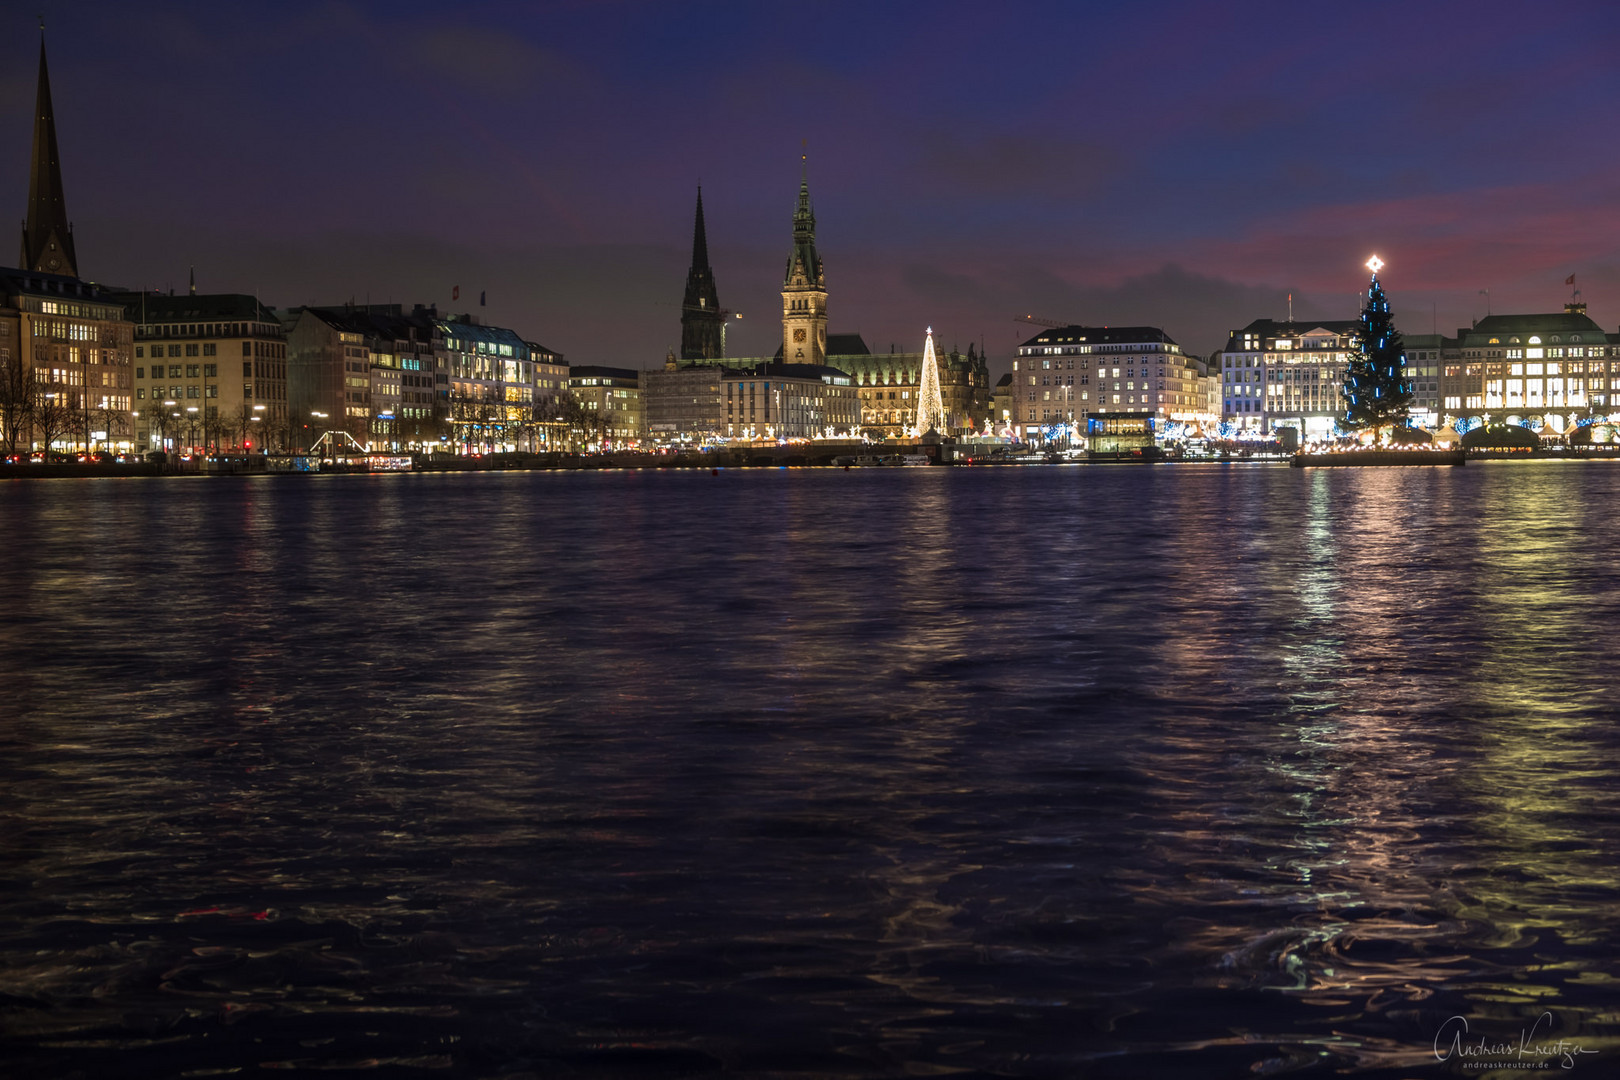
(1179,164)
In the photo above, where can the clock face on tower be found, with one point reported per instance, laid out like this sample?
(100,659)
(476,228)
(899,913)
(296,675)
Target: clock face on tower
(52,263)
(798,337)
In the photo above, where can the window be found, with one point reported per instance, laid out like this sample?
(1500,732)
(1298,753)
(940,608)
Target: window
(247,348)
(247,367)
(210,349)
(140,373)
(247,390)
(174,350)
(191,371)
(211,370)
(191,350)
(213,390)
(174,371)
(191,391)
(140,351)
(140,393)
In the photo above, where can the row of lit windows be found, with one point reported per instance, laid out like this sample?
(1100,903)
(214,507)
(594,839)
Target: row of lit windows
(1082,349)
(63,331)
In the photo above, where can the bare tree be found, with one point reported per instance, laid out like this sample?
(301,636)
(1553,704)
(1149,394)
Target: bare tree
(114,422)
(581,424)
(242,423)
(53,416)
(214,427)
(16,400)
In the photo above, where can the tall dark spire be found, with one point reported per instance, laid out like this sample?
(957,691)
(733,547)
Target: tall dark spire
(700,238)
(47,241)
(701,317)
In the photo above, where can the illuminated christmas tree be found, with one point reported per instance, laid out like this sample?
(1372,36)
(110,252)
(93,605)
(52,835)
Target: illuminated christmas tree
(1376,391)
(930,405)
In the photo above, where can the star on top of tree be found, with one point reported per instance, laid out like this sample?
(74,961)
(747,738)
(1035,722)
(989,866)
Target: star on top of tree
(1375,264)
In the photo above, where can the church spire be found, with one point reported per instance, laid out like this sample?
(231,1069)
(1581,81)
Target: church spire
(701,316)
(804,218)
(700,238)
(47,241)
(804,265)
(804,287)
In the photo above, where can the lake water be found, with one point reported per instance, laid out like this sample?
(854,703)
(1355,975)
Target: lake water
(1135,771)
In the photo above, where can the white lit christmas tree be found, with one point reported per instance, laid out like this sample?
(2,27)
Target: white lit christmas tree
(930,405)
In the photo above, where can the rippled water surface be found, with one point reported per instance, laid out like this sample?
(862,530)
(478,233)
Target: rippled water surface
(1068,771)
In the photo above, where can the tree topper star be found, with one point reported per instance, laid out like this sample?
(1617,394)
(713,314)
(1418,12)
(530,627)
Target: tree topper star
(1375,264)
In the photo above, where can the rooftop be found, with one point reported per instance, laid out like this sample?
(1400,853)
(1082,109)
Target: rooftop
(152,307)
(1099,335)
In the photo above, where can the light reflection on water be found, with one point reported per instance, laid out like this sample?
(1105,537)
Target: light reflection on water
(1027,771)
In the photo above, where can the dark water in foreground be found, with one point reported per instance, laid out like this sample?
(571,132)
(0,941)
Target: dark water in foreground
(1102,772)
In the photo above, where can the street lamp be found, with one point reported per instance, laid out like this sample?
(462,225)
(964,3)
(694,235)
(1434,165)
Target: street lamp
(257,409)
(163,434)
(317,416)
(191,422)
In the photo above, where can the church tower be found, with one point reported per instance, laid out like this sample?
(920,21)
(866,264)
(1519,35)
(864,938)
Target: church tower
(701,317)
(804,289)
(47,240)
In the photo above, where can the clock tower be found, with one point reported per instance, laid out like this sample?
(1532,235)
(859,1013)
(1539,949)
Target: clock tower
(47,240)
(804,289)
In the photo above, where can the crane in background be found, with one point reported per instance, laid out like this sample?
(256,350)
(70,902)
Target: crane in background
(1048,324)
(725,318)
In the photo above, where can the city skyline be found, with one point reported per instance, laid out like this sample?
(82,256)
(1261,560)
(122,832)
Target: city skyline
(521,156)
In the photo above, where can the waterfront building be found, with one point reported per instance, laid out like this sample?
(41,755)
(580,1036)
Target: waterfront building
(1001,399)
(1276,374)
(371,372)
(1064,374)
(210,372)
(550,372)
(1423,371)
(778,401)
(493,380)
(702,321)
(420,381)
(1547,372)
(613,396)
(65,381)
(684,405)
(890,383)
